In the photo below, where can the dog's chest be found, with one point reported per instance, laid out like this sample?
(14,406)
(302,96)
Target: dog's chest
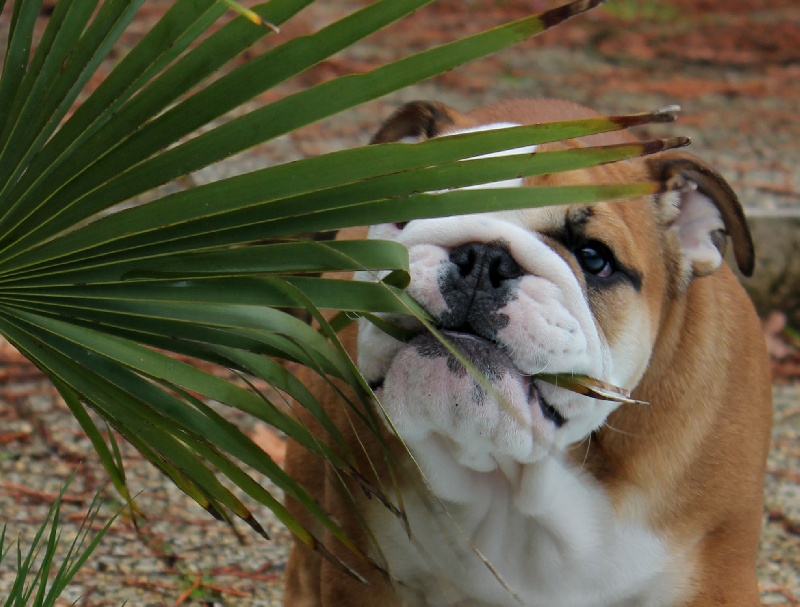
(552,536)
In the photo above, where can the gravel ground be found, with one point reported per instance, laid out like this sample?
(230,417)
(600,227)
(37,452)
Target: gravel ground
(733,66)
(180,555)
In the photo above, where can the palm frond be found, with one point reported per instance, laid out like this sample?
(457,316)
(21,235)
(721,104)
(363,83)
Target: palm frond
(99,303)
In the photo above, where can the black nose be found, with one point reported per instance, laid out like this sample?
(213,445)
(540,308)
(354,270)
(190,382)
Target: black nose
(479,280)
(484,265)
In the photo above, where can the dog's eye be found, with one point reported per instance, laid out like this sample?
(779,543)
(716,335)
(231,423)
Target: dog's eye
(596,259)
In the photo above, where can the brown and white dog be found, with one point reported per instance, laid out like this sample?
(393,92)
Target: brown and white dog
(572,501)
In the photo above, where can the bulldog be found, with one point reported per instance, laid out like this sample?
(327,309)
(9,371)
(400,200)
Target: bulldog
(518,492)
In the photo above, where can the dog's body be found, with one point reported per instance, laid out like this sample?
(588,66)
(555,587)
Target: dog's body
(573,501)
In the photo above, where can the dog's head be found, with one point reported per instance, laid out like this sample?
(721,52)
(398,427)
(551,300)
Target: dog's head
(567,290)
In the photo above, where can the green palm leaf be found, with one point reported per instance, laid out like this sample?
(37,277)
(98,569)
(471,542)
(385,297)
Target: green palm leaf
(99,303)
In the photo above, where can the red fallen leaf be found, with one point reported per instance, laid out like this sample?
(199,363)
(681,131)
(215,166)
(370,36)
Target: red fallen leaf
(785,372)
(13,436)
(270,441)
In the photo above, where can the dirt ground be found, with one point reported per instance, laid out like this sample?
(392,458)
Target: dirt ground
(734,67)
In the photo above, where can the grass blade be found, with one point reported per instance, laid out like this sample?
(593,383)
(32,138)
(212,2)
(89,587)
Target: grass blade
(77,554)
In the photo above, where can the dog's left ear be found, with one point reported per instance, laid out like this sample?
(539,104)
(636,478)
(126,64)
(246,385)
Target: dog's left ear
(702,217)
(419,120)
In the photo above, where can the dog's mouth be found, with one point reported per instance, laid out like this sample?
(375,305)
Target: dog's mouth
(481,360)
(548,410)
(489,357)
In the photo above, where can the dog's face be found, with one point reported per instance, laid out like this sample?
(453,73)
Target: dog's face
(558,290)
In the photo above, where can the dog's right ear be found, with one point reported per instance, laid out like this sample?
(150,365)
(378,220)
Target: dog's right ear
(418,120)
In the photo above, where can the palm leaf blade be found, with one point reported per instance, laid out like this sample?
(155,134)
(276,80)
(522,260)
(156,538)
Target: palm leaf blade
(38,91)
(276,258)
(188,19)
(20,40)
(350,169)
(274,120)
(132,144)
(110,462)
(150,416)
